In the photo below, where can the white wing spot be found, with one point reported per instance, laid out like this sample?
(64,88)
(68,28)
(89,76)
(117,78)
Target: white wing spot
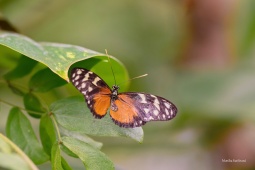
(164,116)
(172,112)
(140,122)
(153,96)
(86,77)
(151,118)
(96,80)
(90,89)
(77,77)
(88,101)
(157,105)
(76,83)
(73,75)
(167,105)
(146,110)
(156,102)
(167,113)
(83,85)
(79,72)
(143,98)
(155,112)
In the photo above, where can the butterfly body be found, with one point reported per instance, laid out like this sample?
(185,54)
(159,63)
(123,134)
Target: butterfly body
(128,109)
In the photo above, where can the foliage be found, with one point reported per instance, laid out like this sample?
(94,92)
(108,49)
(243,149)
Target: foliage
(64,123)
(212,102)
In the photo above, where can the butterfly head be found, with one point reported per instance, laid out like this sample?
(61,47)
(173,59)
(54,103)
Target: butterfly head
(115,89)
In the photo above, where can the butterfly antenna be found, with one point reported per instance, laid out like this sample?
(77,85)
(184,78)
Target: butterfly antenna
(111,66)
(134,78)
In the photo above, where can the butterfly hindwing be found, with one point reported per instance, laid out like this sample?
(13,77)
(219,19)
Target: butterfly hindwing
(96,92)
(126,115)
(146,107)
(154,108)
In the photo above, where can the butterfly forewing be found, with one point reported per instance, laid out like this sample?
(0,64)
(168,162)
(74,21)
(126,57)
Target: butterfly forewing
(95,90)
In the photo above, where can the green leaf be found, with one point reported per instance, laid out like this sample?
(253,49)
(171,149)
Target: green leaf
(56,157)
(72,114)
(20,131)
(58,162)
(45,80)
(33,105)
(81,136)
(68,151)
(47,133)
(58,57)
(11,157)
(92,158)
(24,67)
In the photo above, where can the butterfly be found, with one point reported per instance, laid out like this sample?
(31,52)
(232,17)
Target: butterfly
(128,109)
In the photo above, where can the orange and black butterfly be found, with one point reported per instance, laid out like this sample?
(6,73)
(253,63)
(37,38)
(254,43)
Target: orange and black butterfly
(129,109)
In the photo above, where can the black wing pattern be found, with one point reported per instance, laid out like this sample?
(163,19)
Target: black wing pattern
(152,108)
(96,92)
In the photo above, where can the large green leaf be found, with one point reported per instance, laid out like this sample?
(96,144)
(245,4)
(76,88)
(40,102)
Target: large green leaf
(58,57)
(20,131)
(11,157)
(92,158)
(72,114)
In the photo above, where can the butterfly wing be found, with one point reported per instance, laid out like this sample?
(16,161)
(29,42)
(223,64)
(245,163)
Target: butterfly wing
(96,92)
(135,109)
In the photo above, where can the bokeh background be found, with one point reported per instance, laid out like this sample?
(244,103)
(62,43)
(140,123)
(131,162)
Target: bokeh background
(198,53)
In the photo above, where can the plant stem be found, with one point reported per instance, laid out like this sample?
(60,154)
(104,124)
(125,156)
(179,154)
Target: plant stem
(56,127)
(21,108)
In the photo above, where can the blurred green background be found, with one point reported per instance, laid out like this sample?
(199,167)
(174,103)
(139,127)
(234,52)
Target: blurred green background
(198,53)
